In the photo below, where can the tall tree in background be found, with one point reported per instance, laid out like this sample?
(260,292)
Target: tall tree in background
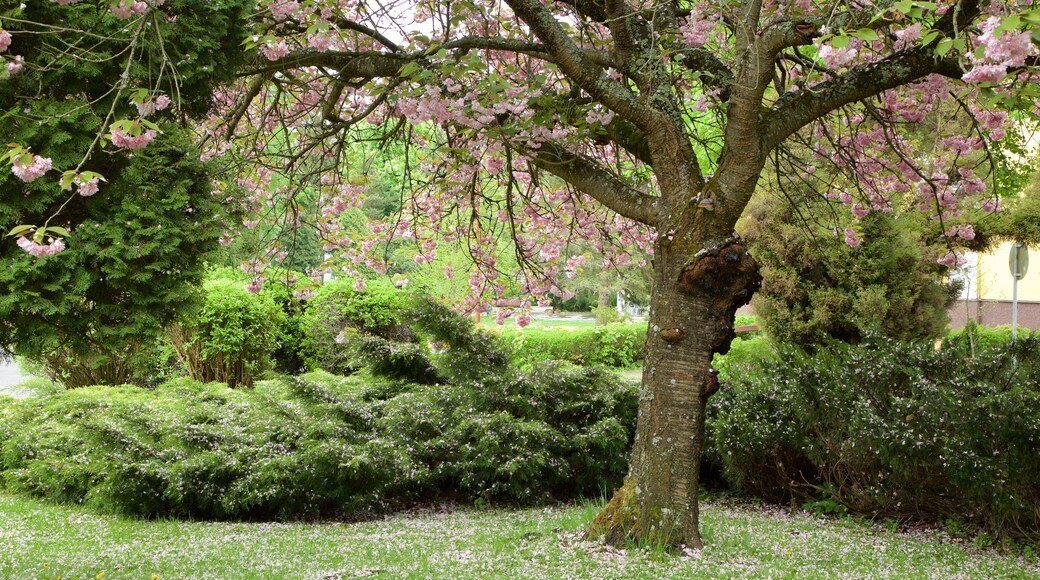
(635,122)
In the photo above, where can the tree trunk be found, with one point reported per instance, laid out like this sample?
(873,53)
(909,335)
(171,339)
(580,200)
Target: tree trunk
(695,297)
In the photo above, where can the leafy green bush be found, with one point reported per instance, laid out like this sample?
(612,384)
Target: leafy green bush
(887,429)
(231,339)
(338,306)
(468,354)
(614,345)
(977,338)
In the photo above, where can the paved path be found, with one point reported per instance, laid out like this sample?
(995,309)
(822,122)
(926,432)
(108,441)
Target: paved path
(9,376)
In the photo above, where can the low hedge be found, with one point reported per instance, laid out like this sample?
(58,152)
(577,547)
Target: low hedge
(612,345)
(886,429)
(320,444)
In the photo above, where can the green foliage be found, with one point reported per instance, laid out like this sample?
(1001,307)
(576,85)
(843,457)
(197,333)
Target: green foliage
(606,315)
(468,354)
(614,345)
(316,444)
(131,266)
(887,429)
(231,338)
(403,361)
(339,311)
(135,249)
(204,42)
(816,287)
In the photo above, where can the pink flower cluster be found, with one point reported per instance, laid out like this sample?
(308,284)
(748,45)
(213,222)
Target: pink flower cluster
(274,50)
(837,57)
(14,66)
(124,9)
(1001,50)
(696,31)
(31,171)
(5,40)
(41,250)
(86,188)
(950,260)
(146,108)
(123,139)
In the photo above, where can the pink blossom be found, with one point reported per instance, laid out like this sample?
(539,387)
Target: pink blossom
(304,294)
(701,104)
(5,40)
(275,51)
(851,239)
(88,188)
(123,139)
(255,285)
(124,9)
(31,171)
(982,73)
(146,108)
(837,57)
(905,38)
(1009,49)
(522,320)
(501,314)
(966,232)
(696,31)
(359,285)
(283,10)
(321,41)
(950,260)
(14,66)
(41,250)
(860,211)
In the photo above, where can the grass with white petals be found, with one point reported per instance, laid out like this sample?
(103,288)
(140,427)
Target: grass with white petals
(39,540)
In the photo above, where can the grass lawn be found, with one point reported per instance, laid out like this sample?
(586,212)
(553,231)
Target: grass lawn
(39,540)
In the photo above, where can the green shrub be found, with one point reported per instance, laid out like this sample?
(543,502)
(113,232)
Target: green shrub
(975,338)
(231,339)
(468,354)
(614,345)
(337,307)
(324,444)
(557,431)
(815,287)
(887,429)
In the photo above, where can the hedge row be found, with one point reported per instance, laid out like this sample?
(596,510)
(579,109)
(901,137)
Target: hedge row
(613,345)
(887,429)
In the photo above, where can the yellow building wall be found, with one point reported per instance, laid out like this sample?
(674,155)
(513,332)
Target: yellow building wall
(994,276)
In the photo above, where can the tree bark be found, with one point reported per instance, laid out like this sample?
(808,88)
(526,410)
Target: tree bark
(694,300)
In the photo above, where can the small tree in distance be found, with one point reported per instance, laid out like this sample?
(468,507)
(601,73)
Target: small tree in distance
(642,122)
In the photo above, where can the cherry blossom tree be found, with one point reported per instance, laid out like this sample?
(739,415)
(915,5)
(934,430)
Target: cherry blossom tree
(624,123)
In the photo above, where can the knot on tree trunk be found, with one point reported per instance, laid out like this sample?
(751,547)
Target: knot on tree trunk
(729,276)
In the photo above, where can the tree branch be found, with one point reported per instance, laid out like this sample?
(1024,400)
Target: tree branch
(577,67)
(586,175)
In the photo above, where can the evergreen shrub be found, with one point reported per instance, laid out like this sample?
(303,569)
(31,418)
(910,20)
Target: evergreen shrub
(338,307)
(886,429)
(323,444)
